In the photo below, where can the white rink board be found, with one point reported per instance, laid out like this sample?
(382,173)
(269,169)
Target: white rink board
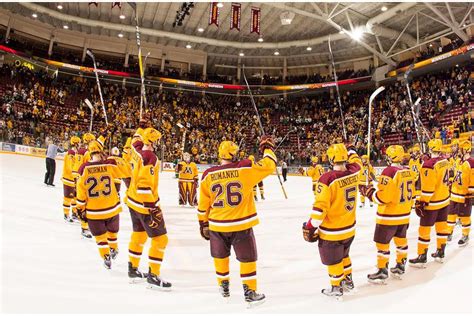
(48,268)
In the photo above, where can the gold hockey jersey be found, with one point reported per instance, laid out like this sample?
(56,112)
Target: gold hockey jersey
(334,208)
(226,193)
(435,183)
(395,195)
(461,182)
(96,191)
(315,172)
(367,171)
(68,169)
(142,194)
(124,167)
(187,171)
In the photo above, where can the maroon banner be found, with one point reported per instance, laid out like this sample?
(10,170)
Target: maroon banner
(255,22)
(214,14)
(235,17)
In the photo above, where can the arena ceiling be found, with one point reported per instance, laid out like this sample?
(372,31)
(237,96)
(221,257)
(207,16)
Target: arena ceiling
(385,29)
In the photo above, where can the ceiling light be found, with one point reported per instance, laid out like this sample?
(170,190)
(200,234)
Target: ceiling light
(122,17)
(260,39)
(384,8)
(188,46)
(341,32)
(308,48)
(276,53)
(241,54)
(357,34)
(65,27)
(431,45)
(120,35)
(220,4)
(200,30)
(60,7)
(34,15)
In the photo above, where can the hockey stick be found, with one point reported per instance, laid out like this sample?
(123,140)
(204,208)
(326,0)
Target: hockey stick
(337,90)
(415,122)
(417,114)
(371,99)
(294,130)
(261,127)
(89,53)
(89,104)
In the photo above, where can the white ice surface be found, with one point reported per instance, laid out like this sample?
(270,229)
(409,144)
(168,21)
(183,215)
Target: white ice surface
(48,268)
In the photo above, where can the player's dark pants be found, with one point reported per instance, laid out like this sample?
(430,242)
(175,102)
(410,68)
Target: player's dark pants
(430,218)
(105,232)
(461,211)
(383,235)
(50,171)
(141,231)
(335,255)
(245,249)
(284,172)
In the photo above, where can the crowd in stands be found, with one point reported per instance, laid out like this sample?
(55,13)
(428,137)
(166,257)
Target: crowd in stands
(36,105)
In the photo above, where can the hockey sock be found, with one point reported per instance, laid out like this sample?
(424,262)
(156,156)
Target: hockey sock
(423,239)
(156,253)
(383,255)
(222,269)
(103,245)
(260,187)
(441,233)
(347,265)
(402,248)
(66,205)
(112,239)
(84,225)
(336,273)
(451,222)
(466,225)
(74,206)
(362,199)
(248,274)
(135,247)
(255,191)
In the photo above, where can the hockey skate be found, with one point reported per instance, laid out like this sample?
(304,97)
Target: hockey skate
(262,197)
(378,277)
(419,262)
(347,284)
(450,238)
(68,220)
(107,262)
(334,291)
(113,253)
(224,289)
(85,233)
(399,270)
(75,219)
(134,275)
(463,241)
(439,254)
(156,282)
(253,298)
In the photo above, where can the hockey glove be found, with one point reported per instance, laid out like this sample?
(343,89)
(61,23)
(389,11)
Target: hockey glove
(81,213)
(266,142)
(301,170)
(310,234)
(204,229)
(156,217)
(420,208)
(367,191)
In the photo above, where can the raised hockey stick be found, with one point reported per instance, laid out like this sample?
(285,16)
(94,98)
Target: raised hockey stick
(89,105)
(290,131)
(261,128)
(371,99)
(412,106)
(91,55)
(417,115)
(337,90)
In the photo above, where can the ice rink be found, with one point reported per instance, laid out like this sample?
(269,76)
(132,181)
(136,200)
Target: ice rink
(48,268)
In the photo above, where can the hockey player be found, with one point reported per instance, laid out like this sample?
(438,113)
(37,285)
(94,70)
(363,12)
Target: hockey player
(227,213)
(188,181)
(260,185)
(394,196)
(462,190)
(332,220)
(415,166)
(98,202)
(69,183)
(432,208)
(145,210)
(124,167)
(315,171)
(367,172)
(127,150)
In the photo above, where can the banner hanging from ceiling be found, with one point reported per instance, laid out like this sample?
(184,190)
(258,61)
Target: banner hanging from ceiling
(255,15)
(235,17)
(214,14)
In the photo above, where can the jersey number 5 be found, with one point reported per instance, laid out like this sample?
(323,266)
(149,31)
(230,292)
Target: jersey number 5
(232,194)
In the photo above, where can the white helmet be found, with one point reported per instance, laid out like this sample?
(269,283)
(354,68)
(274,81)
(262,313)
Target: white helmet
(115,151)
(187,157)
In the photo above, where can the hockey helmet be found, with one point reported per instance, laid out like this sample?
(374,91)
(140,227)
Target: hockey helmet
(337,153)
(94,147)
(115,151)
(314,160)
(465,146)
(395,153)
(228,150)
(151,136)
(87,138)
(435,145)
(75,141)
(187,157)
